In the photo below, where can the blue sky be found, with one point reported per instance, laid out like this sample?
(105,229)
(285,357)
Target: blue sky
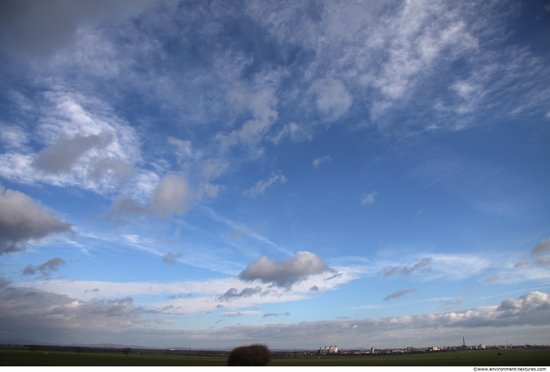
(301,174)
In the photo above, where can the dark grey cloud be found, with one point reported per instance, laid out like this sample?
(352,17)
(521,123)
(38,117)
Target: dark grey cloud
(286,272)
(234,293)
(406,270)
(542,247)
(23,220)
(171,258)
(46,268)
(400,293)
(61,156)
(41,27)
(314,289)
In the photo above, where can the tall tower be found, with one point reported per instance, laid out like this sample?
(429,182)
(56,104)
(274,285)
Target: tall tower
(463,342)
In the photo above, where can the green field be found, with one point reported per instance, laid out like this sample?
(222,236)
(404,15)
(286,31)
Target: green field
(536,357)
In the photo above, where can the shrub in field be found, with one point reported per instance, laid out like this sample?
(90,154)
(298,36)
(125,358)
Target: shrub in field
(253,355)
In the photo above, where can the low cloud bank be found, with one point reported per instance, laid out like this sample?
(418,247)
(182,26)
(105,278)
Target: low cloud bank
(33,314)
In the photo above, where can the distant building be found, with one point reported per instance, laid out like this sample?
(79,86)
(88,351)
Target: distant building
(328,350)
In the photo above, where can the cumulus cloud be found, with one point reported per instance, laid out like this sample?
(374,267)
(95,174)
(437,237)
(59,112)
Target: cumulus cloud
(542,247)
(22,221)
(407,270)
(286,272)
(46,268)
(260,186)
(296,133)
(171,258)
(331,97)
(369,199)
(171,197)
(323,159)
(400,294)
(261,105)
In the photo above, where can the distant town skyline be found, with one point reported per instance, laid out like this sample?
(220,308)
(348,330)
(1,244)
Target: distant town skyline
(210,174)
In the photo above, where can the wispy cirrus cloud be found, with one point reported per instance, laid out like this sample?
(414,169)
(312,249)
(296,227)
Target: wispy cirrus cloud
(529,311)
(323,159)
(398,294)
(262,185)
(369,199)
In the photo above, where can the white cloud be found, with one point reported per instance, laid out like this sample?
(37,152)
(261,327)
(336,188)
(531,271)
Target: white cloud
(261,105)
(184,148)
(87,146)
(369,199)
(13,136)
(260,186)
(23,221)
(323,159)
(296,133)
(208,295)
(332,98)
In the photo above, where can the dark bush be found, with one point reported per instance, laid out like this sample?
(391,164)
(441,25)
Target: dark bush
(253,355)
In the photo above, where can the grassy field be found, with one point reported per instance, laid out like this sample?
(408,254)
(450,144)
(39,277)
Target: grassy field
(538,357)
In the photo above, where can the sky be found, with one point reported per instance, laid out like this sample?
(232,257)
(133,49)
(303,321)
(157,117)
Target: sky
(210,174)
